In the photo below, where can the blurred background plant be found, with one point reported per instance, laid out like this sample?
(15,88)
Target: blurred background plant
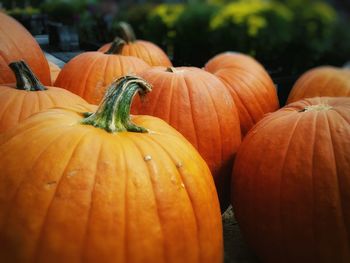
(287,36)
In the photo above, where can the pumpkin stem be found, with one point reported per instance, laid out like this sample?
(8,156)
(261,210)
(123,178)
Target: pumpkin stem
(126,32)
(113,114)
(171,69)
(25,78)
(116,46)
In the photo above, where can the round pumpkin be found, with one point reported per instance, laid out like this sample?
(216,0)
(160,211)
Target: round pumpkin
(108,187)
(325,81)
(29,96)
(54,71)
(18,44)
(89,73)
(198,105)
(249,84)
(145,50)
(291,183)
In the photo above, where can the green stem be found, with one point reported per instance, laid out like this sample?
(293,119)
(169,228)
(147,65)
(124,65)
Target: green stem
(113,114)
(126,32)
(116,46)
(25,78)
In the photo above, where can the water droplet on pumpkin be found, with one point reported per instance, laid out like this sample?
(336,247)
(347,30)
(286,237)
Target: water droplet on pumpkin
(179,165)
(50,184)
(182,185)
(173,179)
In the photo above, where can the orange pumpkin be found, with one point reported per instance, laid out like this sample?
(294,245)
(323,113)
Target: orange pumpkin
(16,43)
(54,71)
(325,81)
(249,84)
(89,73)
(145,50)
(198,105)
(130,189)
(291,183)
(29,96)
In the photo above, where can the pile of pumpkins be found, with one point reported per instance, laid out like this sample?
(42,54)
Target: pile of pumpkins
(87,183)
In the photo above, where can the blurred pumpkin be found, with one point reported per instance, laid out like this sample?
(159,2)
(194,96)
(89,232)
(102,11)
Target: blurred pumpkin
(249,84)
(28,96)
(198,105)
(89,73)
(325,81)
(107,187)
(291,183)
(18,44)
(145,50)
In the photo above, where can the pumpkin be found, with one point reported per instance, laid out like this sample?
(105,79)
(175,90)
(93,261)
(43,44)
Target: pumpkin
(291,183)
(89,73)
(18,44)
(249,84)
(325,81)
(28,96)
(54,71)
(145,50)
(108,187)
(198,105)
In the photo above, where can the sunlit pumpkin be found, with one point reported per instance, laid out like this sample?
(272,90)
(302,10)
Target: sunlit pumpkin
(107,187)
(198,105)
(145,50)
(16,43)
(291,183)
(325,81)
(249,84)
(29,96)
(89,74)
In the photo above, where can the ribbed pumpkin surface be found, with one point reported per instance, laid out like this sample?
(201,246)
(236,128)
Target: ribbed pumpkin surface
(198,105)
(323,81)
(144,50)
(81,194)
(249,85)
(291,183)
(18,44)
(89,73)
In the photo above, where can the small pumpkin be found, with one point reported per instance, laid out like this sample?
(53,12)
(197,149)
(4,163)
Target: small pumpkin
(108,187)
(291,183)
(89,74)
(16,43)
(28,96)
(249,85)
(198,105)
(145,50)
(324,81)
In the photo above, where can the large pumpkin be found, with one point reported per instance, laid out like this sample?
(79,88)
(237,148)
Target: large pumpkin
(89,73)
(145,50)
(249,84)
(291,183)
(28,96)
(325,81)
(198,105)
(16,43)
(130,189)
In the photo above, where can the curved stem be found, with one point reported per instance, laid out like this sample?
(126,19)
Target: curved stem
(116,46)
(25,78)
(126,32)
(171,69)
(113,114)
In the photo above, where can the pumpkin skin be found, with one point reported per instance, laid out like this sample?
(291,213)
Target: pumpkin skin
(198,105)
(18,104)
(249,84)
(145,50)
(89,73)
(54,71)
(291,183)
(18,44)
(117,197)
(325,81)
